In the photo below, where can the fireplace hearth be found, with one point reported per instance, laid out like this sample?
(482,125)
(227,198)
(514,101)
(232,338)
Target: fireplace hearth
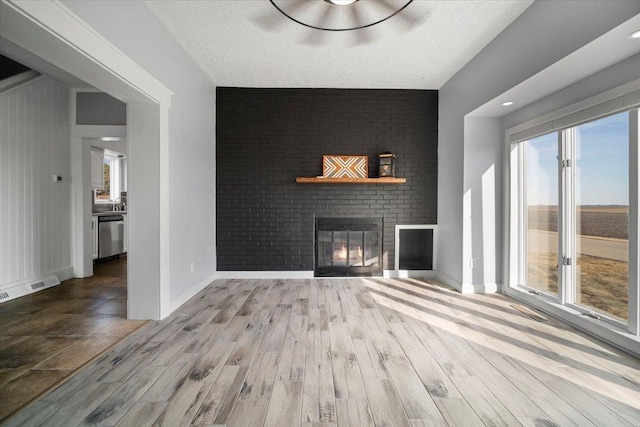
(348,247)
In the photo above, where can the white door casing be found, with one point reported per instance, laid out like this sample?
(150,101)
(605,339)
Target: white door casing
(54,33)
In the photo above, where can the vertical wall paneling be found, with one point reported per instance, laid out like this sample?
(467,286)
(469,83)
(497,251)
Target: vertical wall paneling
(35,219)
(265,138)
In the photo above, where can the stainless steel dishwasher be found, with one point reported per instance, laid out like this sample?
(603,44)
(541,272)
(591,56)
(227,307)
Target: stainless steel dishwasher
(110,235)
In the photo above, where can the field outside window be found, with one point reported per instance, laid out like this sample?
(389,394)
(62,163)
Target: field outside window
(577,181)
(541,156)
(601,179)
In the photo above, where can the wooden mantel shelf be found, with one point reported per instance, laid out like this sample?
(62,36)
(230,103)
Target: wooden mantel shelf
(315,180)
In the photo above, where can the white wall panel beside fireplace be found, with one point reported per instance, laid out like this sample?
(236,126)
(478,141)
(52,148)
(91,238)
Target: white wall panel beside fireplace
(35,220)
(415,250)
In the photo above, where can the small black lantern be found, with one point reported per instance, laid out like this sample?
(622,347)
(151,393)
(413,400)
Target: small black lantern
(387,165)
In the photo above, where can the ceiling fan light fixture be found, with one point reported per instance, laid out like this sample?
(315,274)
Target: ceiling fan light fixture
(341,2)
(325,24)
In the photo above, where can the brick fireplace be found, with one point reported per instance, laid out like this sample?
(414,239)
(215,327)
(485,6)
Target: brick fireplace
(267,137)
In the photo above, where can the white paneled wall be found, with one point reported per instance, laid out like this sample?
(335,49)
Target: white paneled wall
(35,212)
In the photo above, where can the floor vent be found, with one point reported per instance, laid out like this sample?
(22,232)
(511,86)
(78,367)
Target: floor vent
(37,285)
(4,295)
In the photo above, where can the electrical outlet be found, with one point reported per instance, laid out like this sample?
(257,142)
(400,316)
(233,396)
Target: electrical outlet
(474,263)
(193,266)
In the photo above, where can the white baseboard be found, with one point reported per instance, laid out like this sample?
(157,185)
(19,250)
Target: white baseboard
(486,288)
(407,274)
(264,275)
(391,274)
(23,287)
(479,288)
(190,293)
(468,288)
(452,283)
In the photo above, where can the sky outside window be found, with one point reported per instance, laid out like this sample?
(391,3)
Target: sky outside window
(602,156)
(602,150)
(542,170)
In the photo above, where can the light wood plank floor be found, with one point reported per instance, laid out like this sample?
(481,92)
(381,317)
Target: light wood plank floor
(354,352)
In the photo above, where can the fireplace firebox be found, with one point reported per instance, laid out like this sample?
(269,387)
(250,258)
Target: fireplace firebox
(348,247)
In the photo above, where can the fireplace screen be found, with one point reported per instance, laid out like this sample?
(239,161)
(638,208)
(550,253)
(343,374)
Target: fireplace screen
(348,247)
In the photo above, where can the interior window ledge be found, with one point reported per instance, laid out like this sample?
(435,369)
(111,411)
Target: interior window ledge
(603,330)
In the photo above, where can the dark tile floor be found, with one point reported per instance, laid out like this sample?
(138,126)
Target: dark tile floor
(48,336)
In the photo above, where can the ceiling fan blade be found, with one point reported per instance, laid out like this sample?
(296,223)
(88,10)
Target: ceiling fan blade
(315,37)
(361,35)
(404,14)
(272,19)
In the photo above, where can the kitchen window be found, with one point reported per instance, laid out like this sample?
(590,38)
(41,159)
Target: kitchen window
(112,169)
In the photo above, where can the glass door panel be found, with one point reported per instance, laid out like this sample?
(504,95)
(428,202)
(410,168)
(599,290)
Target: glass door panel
(340,248)
(601,180)
(325,249)
(371,248)
(355,248)
(541,213)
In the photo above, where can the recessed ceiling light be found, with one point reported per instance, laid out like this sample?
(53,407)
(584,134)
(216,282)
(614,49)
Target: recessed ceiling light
(110,138)
(635,35)
(506,104)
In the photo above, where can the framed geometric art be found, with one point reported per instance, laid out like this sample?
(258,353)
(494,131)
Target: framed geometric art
(345,166)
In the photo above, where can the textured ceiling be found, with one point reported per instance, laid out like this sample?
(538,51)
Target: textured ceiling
(249,43)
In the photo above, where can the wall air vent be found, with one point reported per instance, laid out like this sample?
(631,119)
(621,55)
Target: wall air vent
(45,283)
(22,289)
(51,281)
(37,285)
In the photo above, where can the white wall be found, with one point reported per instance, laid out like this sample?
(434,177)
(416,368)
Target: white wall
(482,204)
(145,249)
(35,214)
(132,28)
(545,33)
(99,108)
(609,78)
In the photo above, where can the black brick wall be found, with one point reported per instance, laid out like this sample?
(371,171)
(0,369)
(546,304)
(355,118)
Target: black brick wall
(268,137)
